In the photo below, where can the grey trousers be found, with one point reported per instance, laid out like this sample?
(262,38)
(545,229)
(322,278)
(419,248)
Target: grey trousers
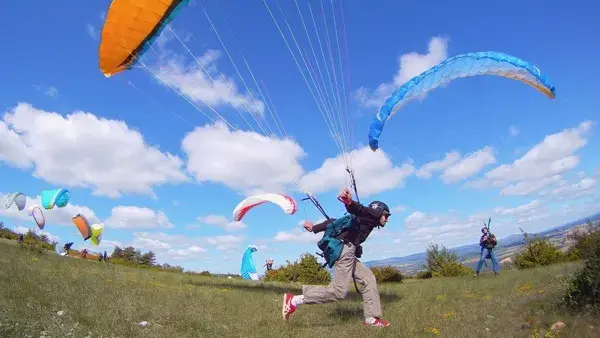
(339,286)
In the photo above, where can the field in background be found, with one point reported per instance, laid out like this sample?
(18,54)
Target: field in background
(110,300)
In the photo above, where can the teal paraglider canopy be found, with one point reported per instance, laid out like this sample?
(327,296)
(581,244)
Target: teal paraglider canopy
(57,197)
(248,269)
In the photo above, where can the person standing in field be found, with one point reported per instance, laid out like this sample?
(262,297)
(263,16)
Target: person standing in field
(487,242)
(269,264)
(346,265)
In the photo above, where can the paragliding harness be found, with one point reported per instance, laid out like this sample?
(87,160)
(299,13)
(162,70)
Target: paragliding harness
(331,246)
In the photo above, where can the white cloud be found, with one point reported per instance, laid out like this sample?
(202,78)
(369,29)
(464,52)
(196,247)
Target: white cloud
(426,170)
(12,150)
(226,242)
(455,167)
(105,245)
(519,210)
(130,217)
(374,170)
(541,166)
(49,91)
(222,222)
(223,243)
(201,82)
(586,186)
(242,160)
(82,150)
(525,188)
(189,252)
(149,243)
(398,209)
(92,31)
(452,229)
(60,216)
(469,165)
(167,247)
(296,235)
(513,131)
(410,65)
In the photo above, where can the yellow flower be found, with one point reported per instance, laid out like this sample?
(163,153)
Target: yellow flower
(449,314)
(440,297)
(525,288)
(433,330)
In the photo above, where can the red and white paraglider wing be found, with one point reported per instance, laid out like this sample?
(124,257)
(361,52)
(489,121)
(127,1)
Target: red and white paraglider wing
(285,202)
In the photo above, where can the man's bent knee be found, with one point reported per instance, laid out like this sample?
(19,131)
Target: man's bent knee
(340,293)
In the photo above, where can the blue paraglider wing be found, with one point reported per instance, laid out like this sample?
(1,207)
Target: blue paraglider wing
(464,65)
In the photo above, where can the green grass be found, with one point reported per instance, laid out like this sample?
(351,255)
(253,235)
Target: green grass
(108,300)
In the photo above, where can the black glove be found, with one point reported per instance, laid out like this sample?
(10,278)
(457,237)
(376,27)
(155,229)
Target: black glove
(359,251)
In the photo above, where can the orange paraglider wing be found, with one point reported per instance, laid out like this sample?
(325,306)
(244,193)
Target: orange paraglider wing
(129,30)
(83,226)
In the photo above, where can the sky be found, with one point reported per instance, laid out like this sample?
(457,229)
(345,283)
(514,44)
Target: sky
(223,106)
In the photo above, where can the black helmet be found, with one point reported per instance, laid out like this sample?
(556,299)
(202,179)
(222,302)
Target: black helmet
(381,207)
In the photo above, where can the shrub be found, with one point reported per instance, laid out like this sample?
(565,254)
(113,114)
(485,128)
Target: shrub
(34,247)
(453,269)
(583,293)
(424,274)
(307,271)
(442,262)
(585,242)
(537,251)
(387,274)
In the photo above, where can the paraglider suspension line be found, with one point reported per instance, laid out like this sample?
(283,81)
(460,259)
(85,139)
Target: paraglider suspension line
(353,183)
(316,204)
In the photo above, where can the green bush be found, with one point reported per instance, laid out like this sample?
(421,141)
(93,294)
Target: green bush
(424,274)
(34,247)
(306,271)
(442,262)
(583,293)
(585,242)
(387,274)
(537,251)
(453,269)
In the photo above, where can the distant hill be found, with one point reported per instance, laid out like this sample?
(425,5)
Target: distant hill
(469,254)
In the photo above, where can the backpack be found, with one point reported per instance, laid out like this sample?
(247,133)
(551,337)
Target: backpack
(491,243)
(330,245)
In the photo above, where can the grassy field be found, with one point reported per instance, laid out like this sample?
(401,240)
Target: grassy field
(106,300)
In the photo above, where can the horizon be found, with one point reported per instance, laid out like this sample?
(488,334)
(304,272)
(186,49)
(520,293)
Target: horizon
(139,153)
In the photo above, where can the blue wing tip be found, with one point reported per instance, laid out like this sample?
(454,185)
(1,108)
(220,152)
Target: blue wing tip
(374,145)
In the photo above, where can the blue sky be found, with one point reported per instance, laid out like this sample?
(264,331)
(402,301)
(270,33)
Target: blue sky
(159,175)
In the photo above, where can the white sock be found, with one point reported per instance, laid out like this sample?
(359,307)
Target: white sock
(370,320)
(297,300)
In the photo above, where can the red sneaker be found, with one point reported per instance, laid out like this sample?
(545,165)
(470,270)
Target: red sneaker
(377,323)
(287,309)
